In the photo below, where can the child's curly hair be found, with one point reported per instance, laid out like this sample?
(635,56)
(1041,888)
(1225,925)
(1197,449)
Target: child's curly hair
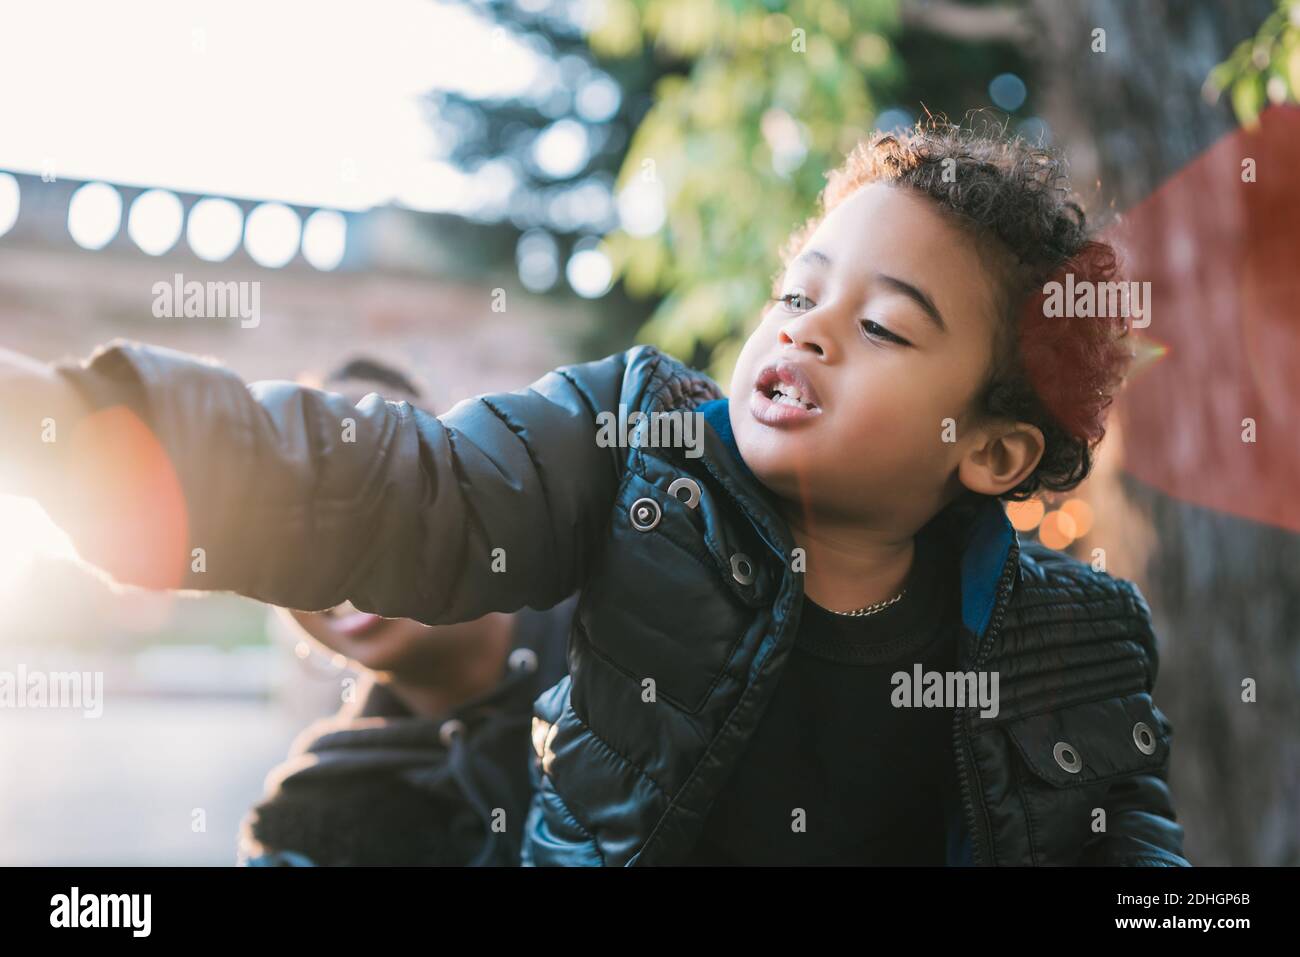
(1059,374)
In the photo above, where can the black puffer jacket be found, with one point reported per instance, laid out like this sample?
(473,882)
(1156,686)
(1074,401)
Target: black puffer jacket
(508,500)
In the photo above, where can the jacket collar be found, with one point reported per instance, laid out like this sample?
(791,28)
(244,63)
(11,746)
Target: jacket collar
(983,532)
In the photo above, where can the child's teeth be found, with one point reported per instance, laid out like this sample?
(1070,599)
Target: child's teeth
(791,392)
(785,393)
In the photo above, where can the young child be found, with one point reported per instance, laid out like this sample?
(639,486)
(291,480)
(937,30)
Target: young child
(838,523)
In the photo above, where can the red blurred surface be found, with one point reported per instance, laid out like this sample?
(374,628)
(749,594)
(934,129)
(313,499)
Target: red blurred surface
(1223,344)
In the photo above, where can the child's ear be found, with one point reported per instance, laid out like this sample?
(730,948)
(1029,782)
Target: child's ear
(1002,458)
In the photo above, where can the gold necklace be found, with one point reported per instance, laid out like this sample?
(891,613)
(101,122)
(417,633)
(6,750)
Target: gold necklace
(872,609)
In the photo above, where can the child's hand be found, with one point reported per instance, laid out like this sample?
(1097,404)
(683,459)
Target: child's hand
(38,411)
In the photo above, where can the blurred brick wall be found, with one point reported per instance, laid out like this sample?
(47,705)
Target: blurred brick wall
(63,301)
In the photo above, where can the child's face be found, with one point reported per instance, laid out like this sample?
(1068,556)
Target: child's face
(872,449)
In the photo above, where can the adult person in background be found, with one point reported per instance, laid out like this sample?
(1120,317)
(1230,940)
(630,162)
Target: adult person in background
(427,760)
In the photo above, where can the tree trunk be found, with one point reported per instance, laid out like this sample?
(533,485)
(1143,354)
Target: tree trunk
(1225,591)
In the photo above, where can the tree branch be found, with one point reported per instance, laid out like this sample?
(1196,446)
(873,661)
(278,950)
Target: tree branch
(956,21)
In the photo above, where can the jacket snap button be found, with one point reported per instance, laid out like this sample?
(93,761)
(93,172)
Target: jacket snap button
(1143,738)
(742,568)
(692,491)
(644,514)
(523,659)
(1067,757)
(450,729)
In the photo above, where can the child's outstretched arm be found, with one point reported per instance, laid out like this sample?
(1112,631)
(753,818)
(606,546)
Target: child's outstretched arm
(169,472)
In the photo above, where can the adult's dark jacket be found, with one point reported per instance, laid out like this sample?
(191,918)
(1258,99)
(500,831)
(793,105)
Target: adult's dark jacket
(378,784)
(689,599)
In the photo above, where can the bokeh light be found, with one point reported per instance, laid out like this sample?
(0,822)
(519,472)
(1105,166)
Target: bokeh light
(641,207)
(894,119)
(1081,512)
(537,257)
(271,235)
(1025,516)
(215,229)
(560,150)
(1057,530)
(1007,91)
(155,221)
(1035,130)
(324,239)
(10,201)
(598,99)
(589,270)
(785,140)
(94,215)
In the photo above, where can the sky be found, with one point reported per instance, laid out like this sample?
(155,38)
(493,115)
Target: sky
(310,102)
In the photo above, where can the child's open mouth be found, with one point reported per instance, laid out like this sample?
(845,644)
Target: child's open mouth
(783,395)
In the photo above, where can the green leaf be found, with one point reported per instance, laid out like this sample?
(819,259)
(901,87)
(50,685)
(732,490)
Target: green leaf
(1248,98)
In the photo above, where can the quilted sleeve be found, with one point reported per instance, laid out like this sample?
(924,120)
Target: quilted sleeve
(188,478)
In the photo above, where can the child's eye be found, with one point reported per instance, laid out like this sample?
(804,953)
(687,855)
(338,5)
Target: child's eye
(876,330)
(795,301)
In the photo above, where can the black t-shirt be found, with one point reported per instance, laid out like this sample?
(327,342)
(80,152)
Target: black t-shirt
(870,779)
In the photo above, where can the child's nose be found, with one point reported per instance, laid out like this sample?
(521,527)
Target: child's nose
(808,331)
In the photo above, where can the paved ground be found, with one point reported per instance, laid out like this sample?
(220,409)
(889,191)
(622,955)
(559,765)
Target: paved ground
(122,789)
